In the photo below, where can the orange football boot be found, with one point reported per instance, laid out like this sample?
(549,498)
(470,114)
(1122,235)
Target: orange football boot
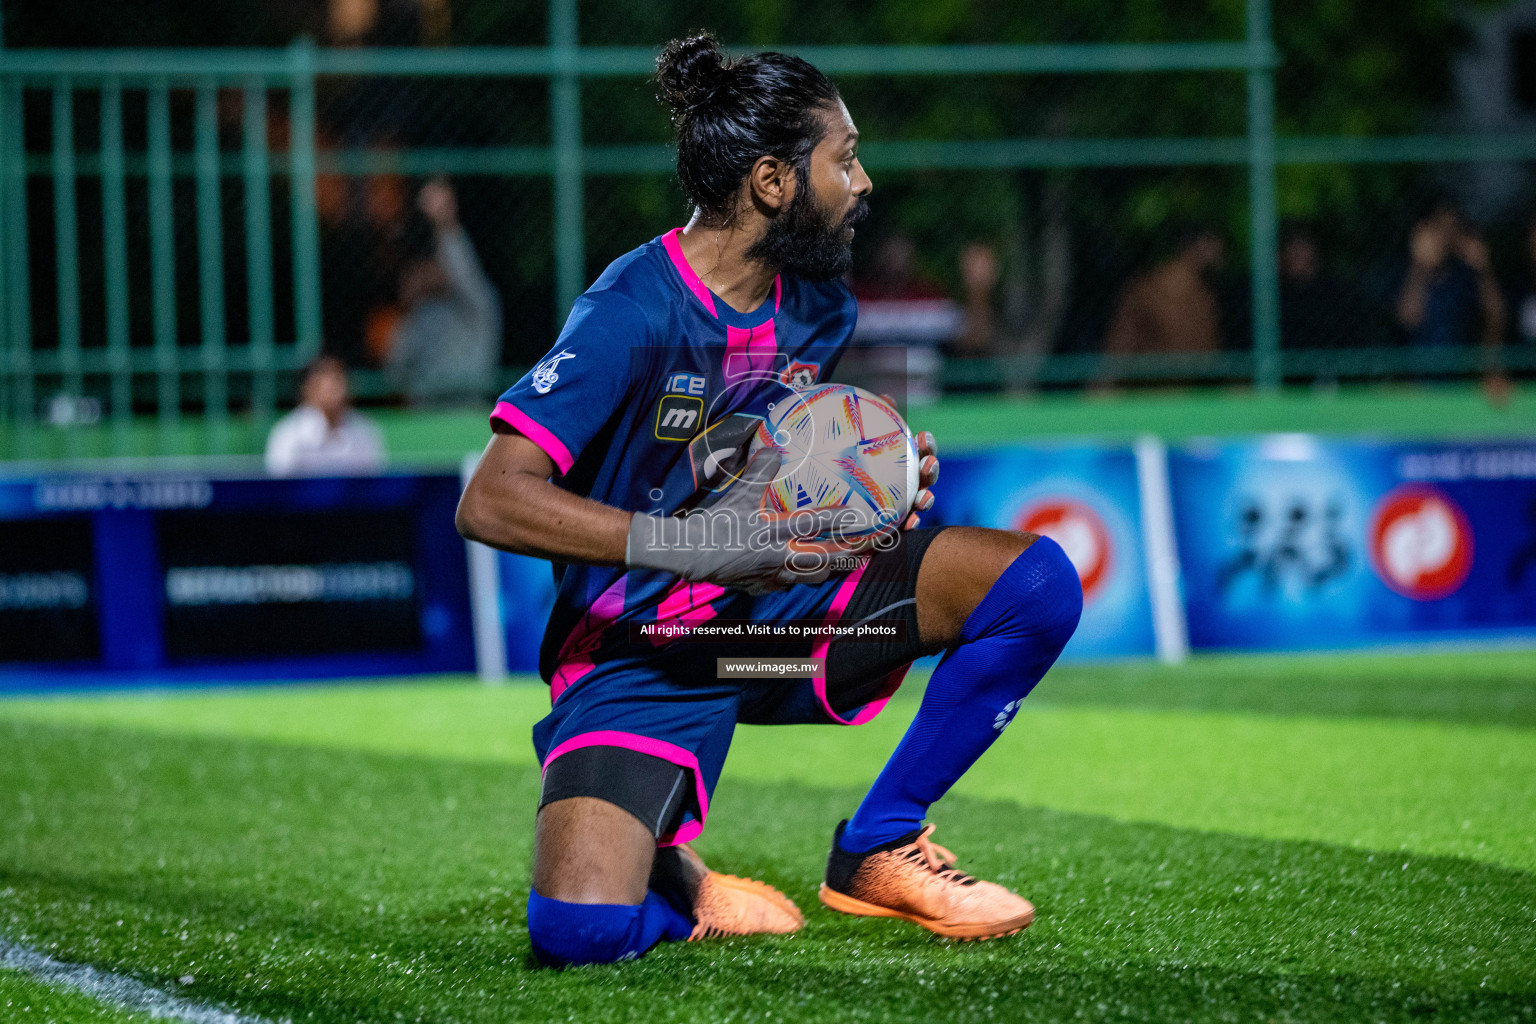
(728,905)
(915,879)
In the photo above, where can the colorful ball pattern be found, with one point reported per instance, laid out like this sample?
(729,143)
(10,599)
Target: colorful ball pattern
(843,448)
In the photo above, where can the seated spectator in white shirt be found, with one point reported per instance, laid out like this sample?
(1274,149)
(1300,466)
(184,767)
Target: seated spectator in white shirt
(323,434)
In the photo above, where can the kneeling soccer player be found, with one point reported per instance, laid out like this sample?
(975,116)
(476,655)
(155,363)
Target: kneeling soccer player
(591,459)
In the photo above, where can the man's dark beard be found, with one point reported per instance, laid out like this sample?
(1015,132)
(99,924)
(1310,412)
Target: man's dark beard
(807,239)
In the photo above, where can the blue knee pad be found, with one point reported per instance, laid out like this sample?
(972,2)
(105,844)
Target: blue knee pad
(570,934)
(1038,593)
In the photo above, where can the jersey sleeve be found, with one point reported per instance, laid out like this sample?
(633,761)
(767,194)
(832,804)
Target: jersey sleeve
(563,402)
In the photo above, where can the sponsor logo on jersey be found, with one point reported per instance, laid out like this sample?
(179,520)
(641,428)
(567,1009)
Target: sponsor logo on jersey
(544,375)
(1421,542)
(685,384)
(800,375)
(1082,535)
(678,417)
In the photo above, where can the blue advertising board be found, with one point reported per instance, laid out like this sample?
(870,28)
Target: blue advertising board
(526,587)
(1087,499)
(1293,542)
(109,579)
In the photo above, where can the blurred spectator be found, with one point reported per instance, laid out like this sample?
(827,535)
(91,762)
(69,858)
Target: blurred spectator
(980,326)
(979,273)
(387,22)
(447,344)
(360,224)
(1172,308)
(323,434)
(1317,309)
(903,319)
(1446,295)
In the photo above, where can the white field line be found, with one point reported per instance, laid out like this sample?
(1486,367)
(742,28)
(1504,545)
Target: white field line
(116,989)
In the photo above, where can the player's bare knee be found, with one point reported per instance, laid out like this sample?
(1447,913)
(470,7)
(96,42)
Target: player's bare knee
(589,851)
(1012,544)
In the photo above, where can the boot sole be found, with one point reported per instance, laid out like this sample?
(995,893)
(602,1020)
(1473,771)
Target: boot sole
(978,932)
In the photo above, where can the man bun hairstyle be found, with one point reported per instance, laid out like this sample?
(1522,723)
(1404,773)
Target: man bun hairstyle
(728,113)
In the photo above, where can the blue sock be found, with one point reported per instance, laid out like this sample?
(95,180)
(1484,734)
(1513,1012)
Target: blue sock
(1008,642)
(567,934)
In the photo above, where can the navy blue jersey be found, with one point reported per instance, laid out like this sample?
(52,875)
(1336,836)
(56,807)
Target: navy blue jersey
(648,360)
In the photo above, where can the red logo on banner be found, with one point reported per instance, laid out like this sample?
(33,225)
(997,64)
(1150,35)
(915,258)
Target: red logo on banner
(1421,543)
(1081,534)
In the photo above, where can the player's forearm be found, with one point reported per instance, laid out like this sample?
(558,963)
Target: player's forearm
(526,515)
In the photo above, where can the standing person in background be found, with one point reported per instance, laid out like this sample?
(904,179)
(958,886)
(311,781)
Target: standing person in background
(323,434)
(448,343)
(1447,296)
(978,338)
(1172,308)
(979,273)
(1318,310)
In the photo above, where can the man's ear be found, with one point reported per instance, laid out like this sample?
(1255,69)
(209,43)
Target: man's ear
(771,183)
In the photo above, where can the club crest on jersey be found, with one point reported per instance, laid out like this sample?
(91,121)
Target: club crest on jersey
(800,375)
(678,417)
(544,375)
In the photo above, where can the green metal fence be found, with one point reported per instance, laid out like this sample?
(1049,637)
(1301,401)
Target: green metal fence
(191,365)
(272,346)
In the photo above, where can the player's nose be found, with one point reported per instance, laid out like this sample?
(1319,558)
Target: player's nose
(862,186)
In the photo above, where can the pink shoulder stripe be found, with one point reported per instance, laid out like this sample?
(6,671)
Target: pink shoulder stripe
(675,250)
(540,435)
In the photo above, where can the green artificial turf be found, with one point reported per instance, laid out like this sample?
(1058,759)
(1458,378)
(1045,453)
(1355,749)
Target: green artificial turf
(1478,686)
(24,1000)
(333,885)
(1341,839)
(1463,788)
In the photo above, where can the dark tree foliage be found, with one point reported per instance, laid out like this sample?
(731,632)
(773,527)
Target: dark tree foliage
(1348,68)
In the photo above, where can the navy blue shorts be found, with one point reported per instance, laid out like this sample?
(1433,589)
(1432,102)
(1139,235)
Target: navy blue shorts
(668,701)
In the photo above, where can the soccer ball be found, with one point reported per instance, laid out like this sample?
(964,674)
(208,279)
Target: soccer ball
(843,448)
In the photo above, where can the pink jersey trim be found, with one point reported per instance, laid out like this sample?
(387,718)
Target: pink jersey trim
(689,830)
(582,643)
(675,250)
(892,681)
(749,350)
(701,292)
(687,604)
(540,435)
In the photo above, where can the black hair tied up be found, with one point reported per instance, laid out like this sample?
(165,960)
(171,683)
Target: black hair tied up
(729,113)
(690,72)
